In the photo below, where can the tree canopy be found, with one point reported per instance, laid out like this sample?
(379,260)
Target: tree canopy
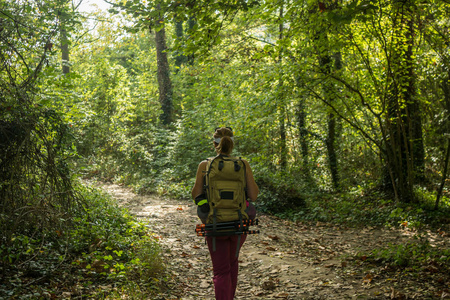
(324,98)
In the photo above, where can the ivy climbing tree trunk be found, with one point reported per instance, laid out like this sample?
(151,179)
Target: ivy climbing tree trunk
(445,86)
(281,107)
(404,147)
(191,24)
(410,95)
(164,81)
(328,93)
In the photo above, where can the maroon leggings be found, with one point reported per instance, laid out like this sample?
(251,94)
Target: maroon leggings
(225,265)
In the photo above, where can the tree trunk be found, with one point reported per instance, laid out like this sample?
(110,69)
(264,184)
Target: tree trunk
(446,91)
(64,44)
(180,58)
(404,146)
(191,24)
(283,150)
(444,175)
(281,110)
(164,81)
(413,104)
(303,134)
(328,91)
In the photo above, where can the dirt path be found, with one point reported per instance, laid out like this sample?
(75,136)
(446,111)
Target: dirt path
(285,261)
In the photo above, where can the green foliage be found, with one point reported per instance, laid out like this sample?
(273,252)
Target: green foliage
(421,215)
(417,254)
(257,85)
(224,89)
(105,245)
(36,180)
(280,193)
(362,208)
(112,242)
(274,75)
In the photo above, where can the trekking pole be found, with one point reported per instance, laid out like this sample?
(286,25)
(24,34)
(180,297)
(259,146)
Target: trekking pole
(248,222)
(227,224)
(223,233)
(219,226)
(238,227)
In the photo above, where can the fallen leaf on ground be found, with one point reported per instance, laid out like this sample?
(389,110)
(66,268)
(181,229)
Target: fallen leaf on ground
(368,278)
(395,295)
(269,285)
(282,295)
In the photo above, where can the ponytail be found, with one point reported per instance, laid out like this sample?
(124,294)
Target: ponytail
(223,140)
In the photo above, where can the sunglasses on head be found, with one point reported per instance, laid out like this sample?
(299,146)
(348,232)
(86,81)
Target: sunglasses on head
(225,127)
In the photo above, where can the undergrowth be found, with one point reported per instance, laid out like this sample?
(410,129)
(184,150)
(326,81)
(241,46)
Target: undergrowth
(417,262)
(419,253)
(102,250)
(421,259)
(360,208)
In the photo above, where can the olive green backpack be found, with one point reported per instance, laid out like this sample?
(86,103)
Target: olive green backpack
(222,206)
(225,187)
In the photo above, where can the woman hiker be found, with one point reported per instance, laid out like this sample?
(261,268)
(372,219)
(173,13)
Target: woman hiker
(225,258)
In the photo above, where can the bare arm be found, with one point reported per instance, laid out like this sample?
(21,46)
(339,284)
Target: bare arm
(252,187)
(198,186)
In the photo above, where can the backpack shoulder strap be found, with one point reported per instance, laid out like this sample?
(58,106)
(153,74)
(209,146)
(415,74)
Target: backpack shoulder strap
(209,164)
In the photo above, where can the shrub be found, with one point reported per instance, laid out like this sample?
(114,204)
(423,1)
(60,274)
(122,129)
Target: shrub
(104,245)
(279,193)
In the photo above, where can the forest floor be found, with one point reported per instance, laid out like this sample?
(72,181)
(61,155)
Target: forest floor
(286,260)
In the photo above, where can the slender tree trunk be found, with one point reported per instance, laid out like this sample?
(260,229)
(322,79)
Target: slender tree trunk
(446,90)
(283,150)
(331,149)
(444,175)
(164,81)
(417,137)
(325,64)
(303,135)
(180,58)
(64,44)
(281,110)
(191,24)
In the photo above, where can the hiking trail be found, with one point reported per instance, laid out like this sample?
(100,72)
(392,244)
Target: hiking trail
(285,261)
